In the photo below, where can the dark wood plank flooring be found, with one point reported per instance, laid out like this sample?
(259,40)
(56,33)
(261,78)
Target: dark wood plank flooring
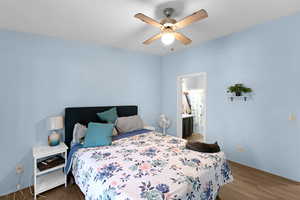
(249,184)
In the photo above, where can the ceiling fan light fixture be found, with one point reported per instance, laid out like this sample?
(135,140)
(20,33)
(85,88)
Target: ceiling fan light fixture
(167,38)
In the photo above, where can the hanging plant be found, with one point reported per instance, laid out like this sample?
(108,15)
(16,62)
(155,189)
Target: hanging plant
(239,89)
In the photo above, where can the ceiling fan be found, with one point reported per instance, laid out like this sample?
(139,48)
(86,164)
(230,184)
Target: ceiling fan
(168,26)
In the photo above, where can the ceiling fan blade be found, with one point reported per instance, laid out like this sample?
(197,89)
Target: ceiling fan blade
(150,40)
(182,38)
(201,14)
(148,20)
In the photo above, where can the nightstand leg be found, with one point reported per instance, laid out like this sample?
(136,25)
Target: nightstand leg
(66,157)
(34,178)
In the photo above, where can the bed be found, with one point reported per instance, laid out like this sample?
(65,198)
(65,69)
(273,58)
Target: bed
(146,166)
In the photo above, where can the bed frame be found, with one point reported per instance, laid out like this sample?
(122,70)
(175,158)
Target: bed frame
(84,115)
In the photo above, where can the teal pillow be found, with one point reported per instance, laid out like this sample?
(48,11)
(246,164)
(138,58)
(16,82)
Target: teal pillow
(98,135)
(109,116)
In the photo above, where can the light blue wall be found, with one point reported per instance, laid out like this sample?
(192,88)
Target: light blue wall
(265,58)
(40,76)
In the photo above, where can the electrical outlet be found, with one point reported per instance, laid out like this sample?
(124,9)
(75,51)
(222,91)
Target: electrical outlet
(19,169)
(292,117)
(239,148)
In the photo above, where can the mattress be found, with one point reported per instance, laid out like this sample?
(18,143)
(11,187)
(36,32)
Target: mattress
(149,166)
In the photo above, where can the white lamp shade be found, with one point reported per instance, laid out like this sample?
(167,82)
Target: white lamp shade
(56,123)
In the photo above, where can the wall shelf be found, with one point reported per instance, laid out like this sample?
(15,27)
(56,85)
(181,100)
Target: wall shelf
(238,98)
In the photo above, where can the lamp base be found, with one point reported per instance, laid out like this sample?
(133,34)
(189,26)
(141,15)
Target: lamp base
(54,139)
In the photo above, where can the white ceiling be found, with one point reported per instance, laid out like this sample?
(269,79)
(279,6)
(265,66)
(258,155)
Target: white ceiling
(111,22)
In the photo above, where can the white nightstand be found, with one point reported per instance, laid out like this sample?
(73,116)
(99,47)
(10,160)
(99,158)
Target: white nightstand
(50,178)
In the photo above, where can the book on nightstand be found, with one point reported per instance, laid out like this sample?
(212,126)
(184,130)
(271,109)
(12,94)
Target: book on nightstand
(51,162)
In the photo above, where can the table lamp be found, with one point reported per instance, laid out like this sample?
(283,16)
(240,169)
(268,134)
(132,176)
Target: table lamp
(55,123)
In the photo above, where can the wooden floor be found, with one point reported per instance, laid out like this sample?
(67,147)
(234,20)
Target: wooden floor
(249,184)
(252,184)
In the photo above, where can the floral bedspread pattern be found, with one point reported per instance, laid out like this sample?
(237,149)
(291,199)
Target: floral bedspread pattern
(149,167)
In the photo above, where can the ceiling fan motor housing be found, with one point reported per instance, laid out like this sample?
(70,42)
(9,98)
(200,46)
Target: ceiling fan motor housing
(168,23)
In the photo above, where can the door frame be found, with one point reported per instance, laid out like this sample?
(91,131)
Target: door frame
(179,102)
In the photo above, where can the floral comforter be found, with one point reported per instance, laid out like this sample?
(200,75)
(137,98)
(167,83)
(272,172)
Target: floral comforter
(149,167)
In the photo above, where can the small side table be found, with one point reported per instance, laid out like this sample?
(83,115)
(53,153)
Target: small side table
(49,178)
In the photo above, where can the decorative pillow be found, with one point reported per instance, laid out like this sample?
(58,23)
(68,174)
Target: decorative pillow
(79,132)
(98,135)
(127,124)
(109,116)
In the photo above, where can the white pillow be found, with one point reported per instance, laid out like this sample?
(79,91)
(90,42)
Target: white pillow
(79,132)
(131,123)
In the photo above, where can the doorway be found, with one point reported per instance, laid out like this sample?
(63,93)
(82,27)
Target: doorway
(191,106)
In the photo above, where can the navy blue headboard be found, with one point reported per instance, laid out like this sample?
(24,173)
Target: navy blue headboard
(84,115)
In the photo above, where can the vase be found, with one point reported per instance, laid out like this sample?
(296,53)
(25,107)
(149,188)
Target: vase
(54,139)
